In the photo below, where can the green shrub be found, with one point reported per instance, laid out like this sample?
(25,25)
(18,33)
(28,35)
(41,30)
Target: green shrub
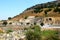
(58,4)
(10,23)
(34,34)
(57,9)
(50,35)
(34,23)
(51,6)
(5,23)
(37,10)
(45,13)
(37,34)
(42,24)
(8,31)
(26,17)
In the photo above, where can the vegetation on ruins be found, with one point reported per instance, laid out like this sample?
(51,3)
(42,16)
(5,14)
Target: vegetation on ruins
(34,34)
(37,34)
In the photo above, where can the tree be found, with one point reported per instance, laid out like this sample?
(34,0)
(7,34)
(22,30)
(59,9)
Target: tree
(34,34)
(9,18)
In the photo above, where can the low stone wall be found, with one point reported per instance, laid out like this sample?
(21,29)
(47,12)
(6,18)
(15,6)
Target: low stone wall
(50,28)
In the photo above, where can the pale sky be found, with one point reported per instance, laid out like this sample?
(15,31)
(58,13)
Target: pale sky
(11,8)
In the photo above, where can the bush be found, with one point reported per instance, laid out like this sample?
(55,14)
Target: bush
(10,23)
(58,4)
(26,17)
(42,24)
(8,31)
(34,23)
(34,34)
(37,34)
(47,11)
(50,35)
(50,6)
(57,9)
(38,10)
(5,23)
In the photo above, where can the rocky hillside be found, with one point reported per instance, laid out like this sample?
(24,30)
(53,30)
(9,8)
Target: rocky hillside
(50,9)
